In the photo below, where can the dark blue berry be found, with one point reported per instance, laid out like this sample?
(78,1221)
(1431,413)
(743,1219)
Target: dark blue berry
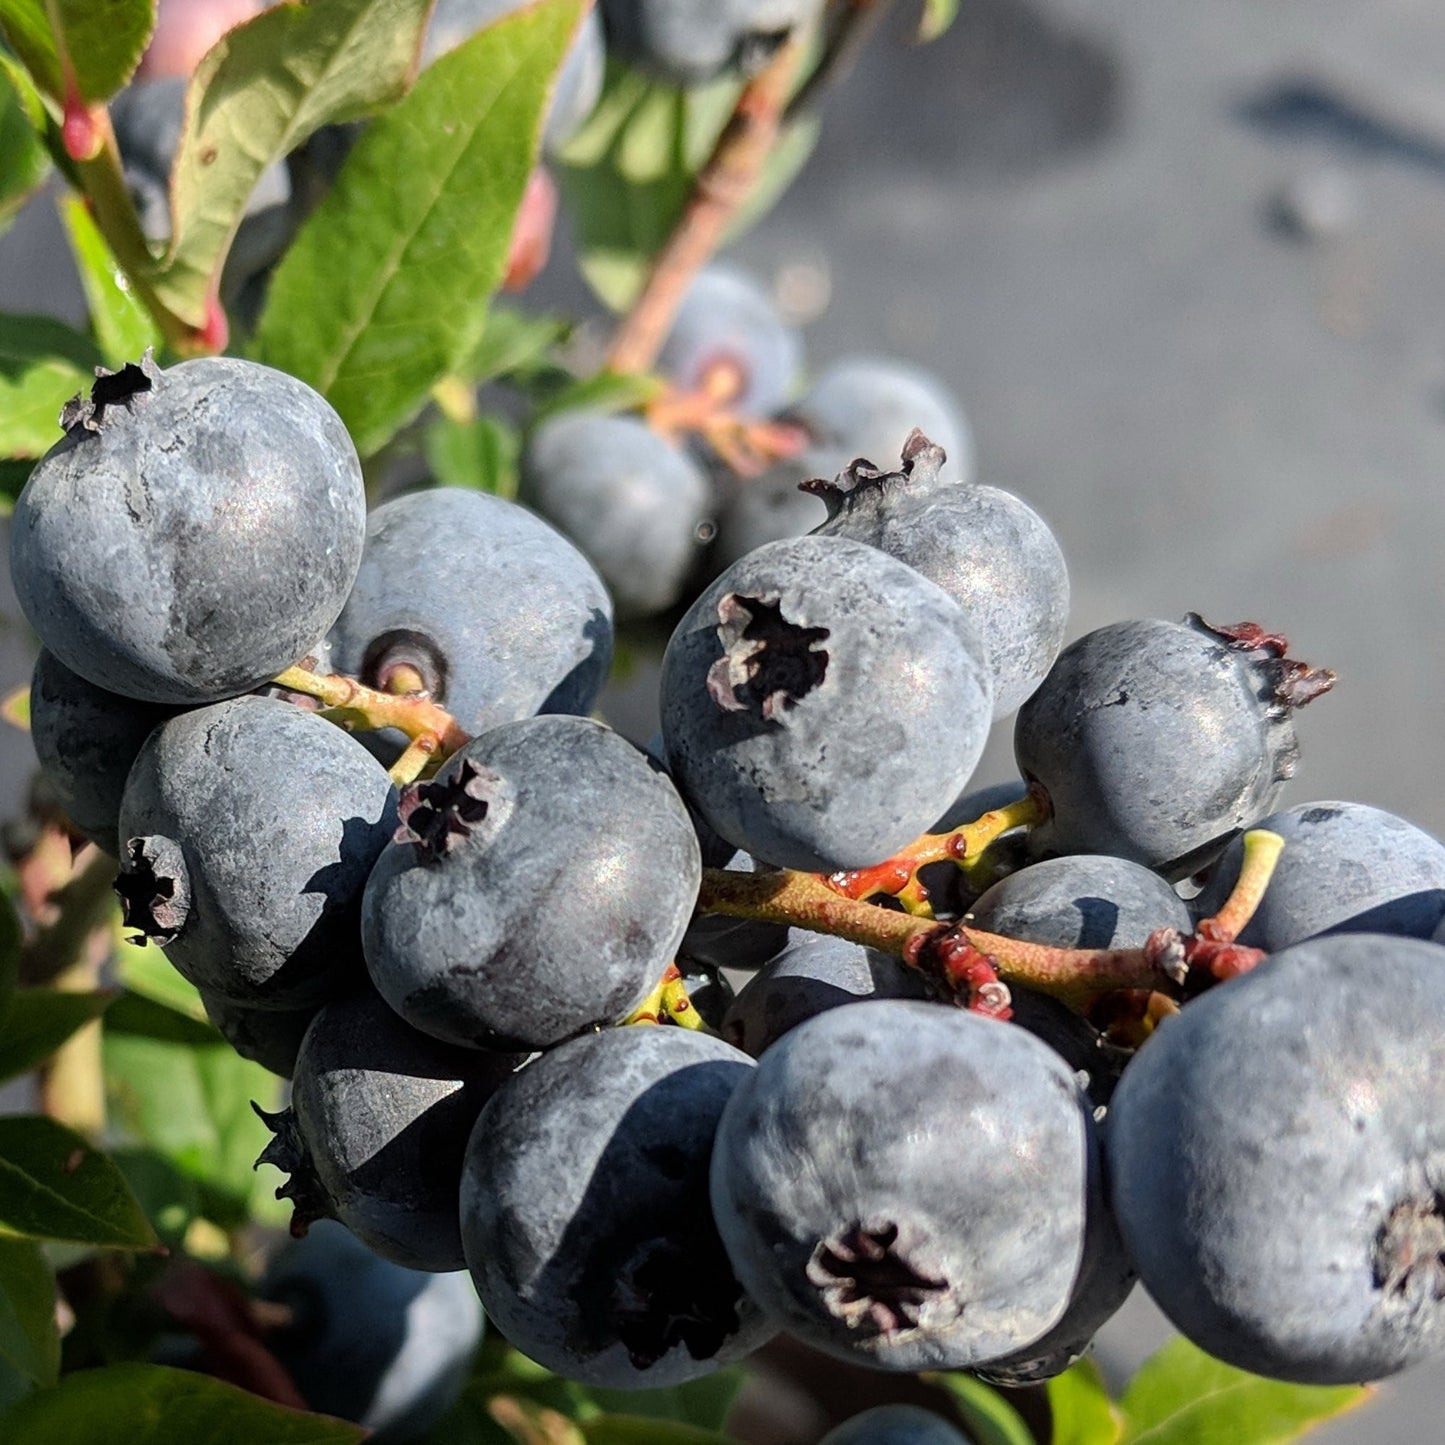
(377,1128)
(499,615)
(540,886)
(1277,1155)
(249,829)
(193,534)
(1159,741)
(905,1185)
(369,1340)
(585,1210)
(819,699)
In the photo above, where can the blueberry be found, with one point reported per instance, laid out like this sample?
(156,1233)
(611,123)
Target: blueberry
(585,1210)
(250,881)
(689,41)
(632,501)
(528,629)
(194,532)
(547,877)
(1096,1062)
(905,1185)
(895,1425)
(819,699)
(1159,741)
(1346,868)
(377,1128)
(1086,900)
(860,407)
(270,1037)
(727,322)
(812,974)
(1105,1281)
(86,739)
(578,84)
(371,1341)
(868,406)
(1278,1162)
(988,549)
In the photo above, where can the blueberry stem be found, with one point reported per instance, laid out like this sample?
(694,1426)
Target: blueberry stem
(944,953)
(669,1000)
(897,877)
(722,186)
(748,446)
(1261,853)
(433,731)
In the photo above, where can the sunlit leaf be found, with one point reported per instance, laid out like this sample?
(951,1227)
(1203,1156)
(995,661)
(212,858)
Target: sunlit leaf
(384,291)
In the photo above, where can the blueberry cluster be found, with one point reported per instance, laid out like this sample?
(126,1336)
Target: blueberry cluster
(717,466)
(440,963)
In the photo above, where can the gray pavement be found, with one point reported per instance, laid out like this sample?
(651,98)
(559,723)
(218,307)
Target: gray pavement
(1185,266)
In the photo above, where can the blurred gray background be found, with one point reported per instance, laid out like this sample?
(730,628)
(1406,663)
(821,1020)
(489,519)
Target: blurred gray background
(1183,265)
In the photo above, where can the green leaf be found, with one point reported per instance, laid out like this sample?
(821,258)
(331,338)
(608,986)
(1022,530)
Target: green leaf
(145,970)
(9,954)
(1181,1396)
(134,1013)
(53,1185)
(511,341)
(1082,1411)
(123,327)
(103,43)
(43,363)
(29,1341)
(24,161)
(384,290)
(704,1403)
(192,1104)
(39,1020)
(606,391)
(14,473)
(170,1199)
(480,454)
(628,174)
(27,30)
(258,94)
(158,1405)
(937,16)
(639,1430)
(987,1416)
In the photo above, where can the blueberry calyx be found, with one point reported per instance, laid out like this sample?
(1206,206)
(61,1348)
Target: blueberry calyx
(1289,683)
(867,1282)
(1409,1255)
(153,888)
(436,816)
(110,388)
(672,1292)
(921,465)
(768,663)
(287,1152)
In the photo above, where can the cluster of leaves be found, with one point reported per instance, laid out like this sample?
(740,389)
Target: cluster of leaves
(383,302)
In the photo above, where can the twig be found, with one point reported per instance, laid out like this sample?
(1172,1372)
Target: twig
(722,185)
